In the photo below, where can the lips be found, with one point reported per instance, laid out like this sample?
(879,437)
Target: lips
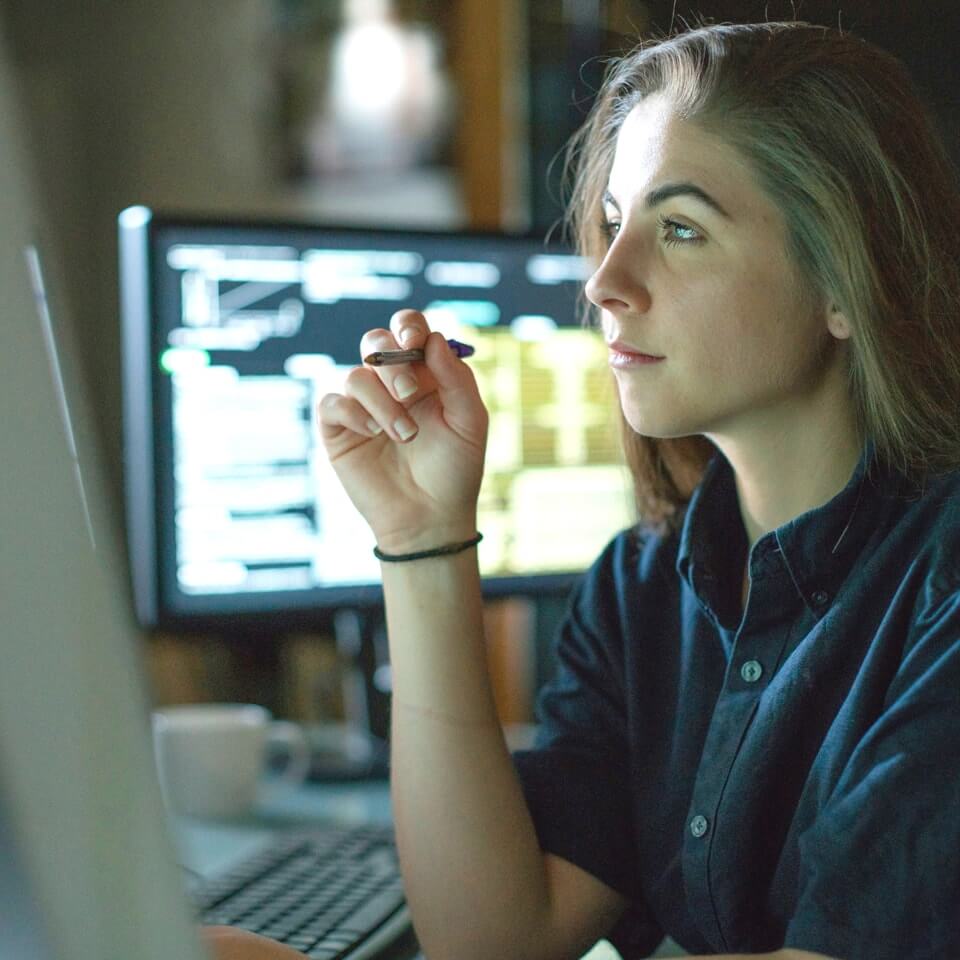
(626,352)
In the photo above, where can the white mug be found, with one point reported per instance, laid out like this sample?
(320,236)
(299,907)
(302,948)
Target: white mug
(211,757)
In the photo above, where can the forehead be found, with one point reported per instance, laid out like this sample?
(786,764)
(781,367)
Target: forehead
(655,146)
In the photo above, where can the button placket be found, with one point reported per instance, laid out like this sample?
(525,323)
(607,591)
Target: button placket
(753,658)
(733,715)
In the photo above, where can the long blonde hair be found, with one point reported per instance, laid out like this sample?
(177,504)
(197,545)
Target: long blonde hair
(838,138)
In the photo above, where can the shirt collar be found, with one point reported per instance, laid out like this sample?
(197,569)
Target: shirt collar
(712,517)
(818,547)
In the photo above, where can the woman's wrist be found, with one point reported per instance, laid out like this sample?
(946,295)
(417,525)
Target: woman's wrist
(432,537)
(434,581)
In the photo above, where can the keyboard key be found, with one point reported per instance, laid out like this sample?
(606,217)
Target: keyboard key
(300,943)
(372,913)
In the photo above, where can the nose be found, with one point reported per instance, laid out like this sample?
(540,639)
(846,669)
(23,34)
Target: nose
(617,284)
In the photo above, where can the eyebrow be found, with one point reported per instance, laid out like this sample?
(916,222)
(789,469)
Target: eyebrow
(657,196)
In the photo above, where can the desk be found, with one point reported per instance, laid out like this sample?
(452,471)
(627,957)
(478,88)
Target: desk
(209,848)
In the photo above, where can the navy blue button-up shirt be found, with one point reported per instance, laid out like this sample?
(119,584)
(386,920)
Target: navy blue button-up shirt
(786,775)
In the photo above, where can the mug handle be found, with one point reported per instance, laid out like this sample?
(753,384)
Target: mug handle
(292,736)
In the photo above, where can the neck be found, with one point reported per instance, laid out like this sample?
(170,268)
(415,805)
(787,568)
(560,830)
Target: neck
(784,470)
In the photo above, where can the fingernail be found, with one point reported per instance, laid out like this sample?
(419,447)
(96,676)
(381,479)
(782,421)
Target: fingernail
(374,427)
(405,428)
(407,334)
(405,386)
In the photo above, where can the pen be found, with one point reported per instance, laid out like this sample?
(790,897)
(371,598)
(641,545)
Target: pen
(386,358)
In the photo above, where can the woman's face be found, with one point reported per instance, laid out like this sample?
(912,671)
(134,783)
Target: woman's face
(697,273)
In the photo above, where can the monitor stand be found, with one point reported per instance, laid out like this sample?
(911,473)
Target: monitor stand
(358,748)
(355,748)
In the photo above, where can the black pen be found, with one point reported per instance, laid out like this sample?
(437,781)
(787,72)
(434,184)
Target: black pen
(386,358)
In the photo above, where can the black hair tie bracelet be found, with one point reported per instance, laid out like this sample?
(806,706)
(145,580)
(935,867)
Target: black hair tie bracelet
(423,554)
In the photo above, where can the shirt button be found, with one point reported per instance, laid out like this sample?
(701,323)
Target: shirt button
(821,597)
(698,826)
(751,671)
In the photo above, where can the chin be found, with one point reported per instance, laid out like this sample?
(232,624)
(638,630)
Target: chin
(661,428)
(650,413)
(669,418)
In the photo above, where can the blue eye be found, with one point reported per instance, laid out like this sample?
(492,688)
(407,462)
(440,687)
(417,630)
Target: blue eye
(675,232)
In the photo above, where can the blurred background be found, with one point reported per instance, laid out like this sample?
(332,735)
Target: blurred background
(426,113)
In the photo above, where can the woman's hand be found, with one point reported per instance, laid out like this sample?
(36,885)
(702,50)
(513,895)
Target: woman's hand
(229,943)
(411,462)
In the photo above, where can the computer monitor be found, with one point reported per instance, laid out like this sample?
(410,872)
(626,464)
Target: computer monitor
(87,869)
(233,331)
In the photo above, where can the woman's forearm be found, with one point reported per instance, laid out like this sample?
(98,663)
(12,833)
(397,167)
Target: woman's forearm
(472,867)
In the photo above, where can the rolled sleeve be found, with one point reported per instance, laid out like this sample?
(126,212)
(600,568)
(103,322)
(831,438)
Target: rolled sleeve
(881,864)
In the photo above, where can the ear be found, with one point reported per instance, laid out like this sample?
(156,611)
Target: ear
(837,323)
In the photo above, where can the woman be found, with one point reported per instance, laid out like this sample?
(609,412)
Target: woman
(752,743)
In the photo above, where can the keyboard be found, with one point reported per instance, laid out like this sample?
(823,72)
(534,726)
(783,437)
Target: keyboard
(328,892)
